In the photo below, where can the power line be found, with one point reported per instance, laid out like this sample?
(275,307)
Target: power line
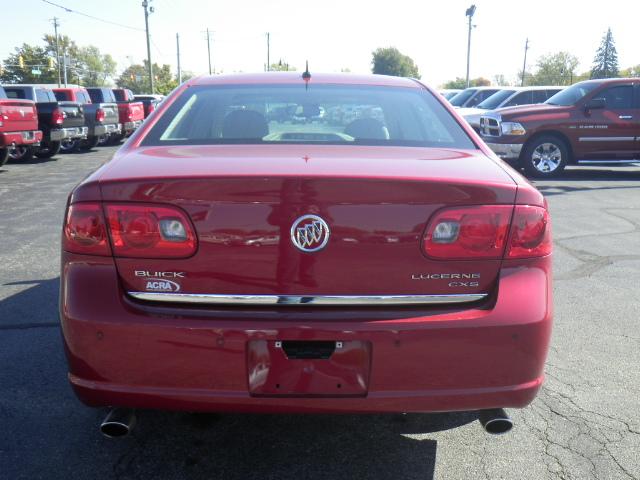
(69,10)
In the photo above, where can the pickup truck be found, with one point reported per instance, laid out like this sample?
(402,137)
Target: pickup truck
(58,121)
(150,102)
(591,122)
(131,111)
(18,127)
(101,117)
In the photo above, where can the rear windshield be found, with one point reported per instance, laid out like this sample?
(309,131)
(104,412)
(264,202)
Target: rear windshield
(15,93)
(2,94)
(495,100)
(62,96)
(321,114)
(573,94)
(99,95)
(120,95)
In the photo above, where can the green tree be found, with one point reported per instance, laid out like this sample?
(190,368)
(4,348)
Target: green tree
(631,72)
(281,67)
(136,78)
(389,61)
(461,83)
(554,69)
(605,63)
(38,67)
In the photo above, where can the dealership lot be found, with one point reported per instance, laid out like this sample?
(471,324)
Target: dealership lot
(584,424)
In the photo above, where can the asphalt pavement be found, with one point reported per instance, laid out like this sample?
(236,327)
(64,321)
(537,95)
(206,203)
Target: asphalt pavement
(585,423)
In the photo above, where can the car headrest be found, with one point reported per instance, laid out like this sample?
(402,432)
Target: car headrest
(244,124)
(367,128)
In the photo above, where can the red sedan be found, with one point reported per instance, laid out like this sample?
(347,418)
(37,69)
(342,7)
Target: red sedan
(314,243)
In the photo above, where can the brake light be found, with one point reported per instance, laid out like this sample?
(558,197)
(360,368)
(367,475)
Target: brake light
(85,230)
(151,107)
(150,231)
(530,232)
(57,117)
(100,115)
(129,113)
(468,232)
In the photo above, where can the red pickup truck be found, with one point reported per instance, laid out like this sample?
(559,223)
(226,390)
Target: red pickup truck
(131,111)
(18,125)
(592,122)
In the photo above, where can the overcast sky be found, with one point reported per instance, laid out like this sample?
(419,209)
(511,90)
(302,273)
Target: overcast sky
(333,34)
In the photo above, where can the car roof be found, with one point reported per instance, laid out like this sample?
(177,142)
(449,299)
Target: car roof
(296,77)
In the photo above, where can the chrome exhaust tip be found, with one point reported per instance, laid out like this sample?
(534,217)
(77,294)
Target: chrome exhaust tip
(118,423)
(495,421)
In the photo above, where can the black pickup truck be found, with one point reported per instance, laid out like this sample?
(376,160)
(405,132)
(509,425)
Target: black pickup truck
(58,121)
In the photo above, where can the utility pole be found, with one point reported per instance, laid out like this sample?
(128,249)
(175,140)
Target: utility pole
(209,50)
(147,10)
(178,50)
(55,28)
(469,13)
(524,65)
(268,51)
(67,60)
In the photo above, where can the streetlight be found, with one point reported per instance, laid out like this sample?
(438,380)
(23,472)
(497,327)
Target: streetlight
(469,13)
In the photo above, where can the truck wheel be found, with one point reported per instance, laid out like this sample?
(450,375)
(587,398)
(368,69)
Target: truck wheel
(21,153)
(545,156)
(69,145)
(4,156)
(48,149)
(89,143)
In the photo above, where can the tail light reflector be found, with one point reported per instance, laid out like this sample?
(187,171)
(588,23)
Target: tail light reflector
(85,230)
(57,117)
(129,113)
(100,115)
(150,231)
(530,232)
(473,232)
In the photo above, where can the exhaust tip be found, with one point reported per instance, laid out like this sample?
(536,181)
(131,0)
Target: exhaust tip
(495,422)
(118,423)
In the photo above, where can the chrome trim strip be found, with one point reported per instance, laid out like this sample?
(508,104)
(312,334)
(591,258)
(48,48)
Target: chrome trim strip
(604,162)
(318,300)
(606,139)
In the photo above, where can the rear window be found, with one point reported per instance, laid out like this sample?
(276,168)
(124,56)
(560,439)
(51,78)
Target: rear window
(15,93)
(120,95)
(462,97)
(62,96)
(2,94)
(496,99)
(100,95)
(321,114)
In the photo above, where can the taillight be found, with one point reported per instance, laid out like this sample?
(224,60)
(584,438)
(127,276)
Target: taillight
(57,117)
(150,231)
(484,232)
(530,232)
(468,232)
(100,115)
(85,230)
(129,113)
(151,107)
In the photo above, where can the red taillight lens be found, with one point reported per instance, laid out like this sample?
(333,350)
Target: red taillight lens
(530,232)
(150,231)
(468,232)
(151,107)
(129,113)
(85,230)
(100,115)
(57,117)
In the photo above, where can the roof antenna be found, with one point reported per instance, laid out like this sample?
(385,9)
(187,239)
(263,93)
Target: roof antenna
(306,76)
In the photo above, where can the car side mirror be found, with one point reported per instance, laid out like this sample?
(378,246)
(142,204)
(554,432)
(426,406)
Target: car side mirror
(596,104)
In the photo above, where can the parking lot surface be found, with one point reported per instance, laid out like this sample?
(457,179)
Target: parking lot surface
(585,424)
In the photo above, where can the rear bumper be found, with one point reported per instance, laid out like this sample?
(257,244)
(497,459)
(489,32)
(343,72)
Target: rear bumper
(131,126)
(71,132)
(29,137)
(124,353)
(506,151)
(110,129)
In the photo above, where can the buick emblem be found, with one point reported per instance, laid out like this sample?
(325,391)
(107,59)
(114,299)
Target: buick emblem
(310,233)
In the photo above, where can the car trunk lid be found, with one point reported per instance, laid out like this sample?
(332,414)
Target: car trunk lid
(244,201)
